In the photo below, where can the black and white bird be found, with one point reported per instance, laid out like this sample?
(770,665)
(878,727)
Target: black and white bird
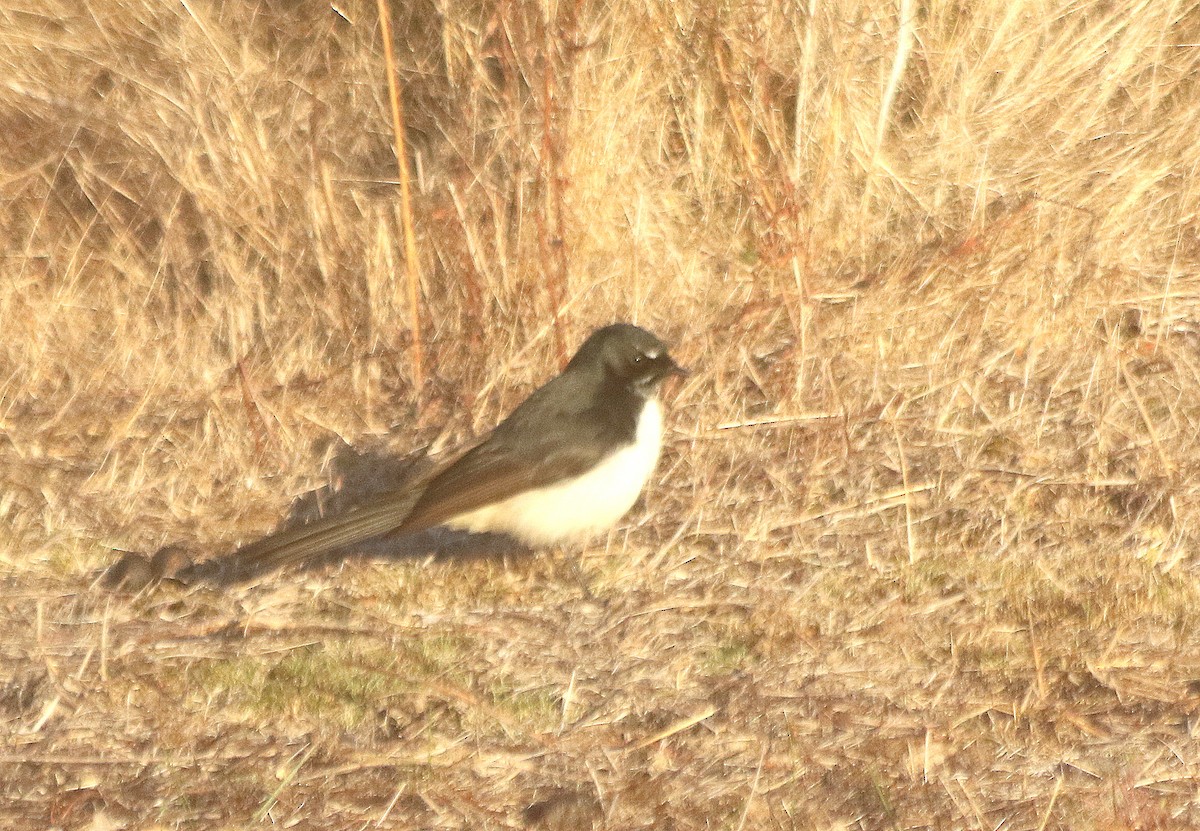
(567,464)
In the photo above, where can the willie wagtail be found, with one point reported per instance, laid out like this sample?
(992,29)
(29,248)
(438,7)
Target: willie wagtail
(569,462)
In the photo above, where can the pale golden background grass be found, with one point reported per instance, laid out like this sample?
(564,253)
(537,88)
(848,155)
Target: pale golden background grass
(922,548)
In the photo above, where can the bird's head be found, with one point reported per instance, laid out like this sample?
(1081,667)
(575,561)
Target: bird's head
(629,354)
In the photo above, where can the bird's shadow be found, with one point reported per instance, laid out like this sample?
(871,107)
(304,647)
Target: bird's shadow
(356,478)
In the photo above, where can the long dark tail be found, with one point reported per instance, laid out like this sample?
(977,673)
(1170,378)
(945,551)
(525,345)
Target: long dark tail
(306,543)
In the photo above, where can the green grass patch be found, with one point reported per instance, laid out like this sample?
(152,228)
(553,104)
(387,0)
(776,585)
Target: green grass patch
(327,684)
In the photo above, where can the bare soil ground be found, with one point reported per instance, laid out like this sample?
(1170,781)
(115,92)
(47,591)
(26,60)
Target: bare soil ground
(921,551)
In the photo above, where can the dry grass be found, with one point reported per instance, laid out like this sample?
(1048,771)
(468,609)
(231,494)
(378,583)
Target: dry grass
(922,553)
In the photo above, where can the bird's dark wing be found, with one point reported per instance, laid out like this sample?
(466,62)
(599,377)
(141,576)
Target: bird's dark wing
(494,471)
(560,431)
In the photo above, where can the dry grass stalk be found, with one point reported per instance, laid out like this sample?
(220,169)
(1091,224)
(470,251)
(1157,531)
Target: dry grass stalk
(411,265)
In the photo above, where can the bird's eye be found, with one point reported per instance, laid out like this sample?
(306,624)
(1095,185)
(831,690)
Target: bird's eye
(637,359)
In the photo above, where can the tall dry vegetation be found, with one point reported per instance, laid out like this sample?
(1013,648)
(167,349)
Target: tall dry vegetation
(923,550)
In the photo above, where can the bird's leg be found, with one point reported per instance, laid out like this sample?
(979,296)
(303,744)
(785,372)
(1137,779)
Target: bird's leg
(580,578)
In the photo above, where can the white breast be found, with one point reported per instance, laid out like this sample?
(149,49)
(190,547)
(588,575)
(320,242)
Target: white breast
(580,507)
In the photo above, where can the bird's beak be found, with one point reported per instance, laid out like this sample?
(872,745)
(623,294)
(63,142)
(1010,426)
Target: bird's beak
(676,369)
